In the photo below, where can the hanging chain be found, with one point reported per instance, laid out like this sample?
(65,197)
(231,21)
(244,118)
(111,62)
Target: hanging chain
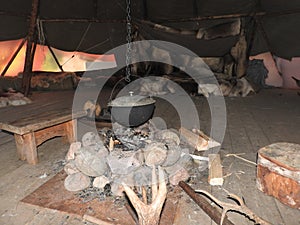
(129,44)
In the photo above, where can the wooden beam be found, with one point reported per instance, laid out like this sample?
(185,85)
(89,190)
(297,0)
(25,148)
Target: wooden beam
(85,20)
(13,57)
(27,72)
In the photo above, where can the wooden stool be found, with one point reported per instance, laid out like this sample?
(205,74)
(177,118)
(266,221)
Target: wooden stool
(32,130)
(278,172)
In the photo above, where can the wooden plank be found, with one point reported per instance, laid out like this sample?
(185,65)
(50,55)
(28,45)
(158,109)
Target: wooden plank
(289,215)
(53,195)
(242,180)
(49,132)
(215,176)
(37,121)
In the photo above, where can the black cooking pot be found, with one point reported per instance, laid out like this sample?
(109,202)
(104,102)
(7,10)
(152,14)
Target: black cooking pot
(132,110)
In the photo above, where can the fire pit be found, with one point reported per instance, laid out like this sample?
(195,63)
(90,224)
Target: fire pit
(126,155)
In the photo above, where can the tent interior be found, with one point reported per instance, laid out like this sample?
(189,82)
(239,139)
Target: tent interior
(221,78)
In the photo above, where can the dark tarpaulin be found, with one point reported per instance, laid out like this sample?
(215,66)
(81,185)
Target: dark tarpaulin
(212,48)
(95,26)
(86,37)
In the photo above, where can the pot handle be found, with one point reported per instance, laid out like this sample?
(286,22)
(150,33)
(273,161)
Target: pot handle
(112,91)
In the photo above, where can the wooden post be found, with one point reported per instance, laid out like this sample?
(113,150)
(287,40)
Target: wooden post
(29,50)
(26,147)
(71,130)
(19,144)
(13,57)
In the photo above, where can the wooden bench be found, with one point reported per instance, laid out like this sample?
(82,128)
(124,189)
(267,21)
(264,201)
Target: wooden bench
(33,127)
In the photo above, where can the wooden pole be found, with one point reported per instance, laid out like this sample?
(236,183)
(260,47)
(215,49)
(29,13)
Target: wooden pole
(210,210)
(13,57)
(27,72)
(32,54)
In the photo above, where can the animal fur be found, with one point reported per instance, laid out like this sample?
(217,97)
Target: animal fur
(45,79)
(144,50)
(155,87)
(232,88)
(231,28)
(209,89)
(12,97)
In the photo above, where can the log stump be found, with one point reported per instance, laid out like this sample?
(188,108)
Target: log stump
(278,172)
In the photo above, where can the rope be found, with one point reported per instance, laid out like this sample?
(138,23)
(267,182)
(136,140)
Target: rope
(79,44)
(40,30)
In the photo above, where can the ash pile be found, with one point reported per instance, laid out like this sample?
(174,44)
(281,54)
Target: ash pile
(99,164)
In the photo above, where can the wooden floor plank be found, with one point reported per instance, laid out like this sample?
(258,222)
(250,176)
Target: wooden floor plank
(244,174)
(269,116)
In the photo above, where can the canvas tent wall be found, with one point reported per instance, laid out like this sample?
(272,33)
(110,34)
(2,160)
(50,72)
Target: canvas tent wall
(96,26)
(64,23)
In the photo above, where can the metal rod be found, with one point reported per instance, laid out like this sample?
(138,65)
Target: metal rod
(210,210)
(13,57)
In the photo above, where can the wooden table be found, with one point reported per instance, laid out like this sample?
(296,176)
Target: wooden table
(32,125)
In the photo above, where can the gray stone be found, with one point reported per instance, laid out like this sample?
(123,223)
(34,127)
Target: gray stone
(90,139)
(89,162)
(76,182)
(168,136)
(155,153)
(117,189)
(122,165)
(100,182)
(173,155)
(74,148)
(142,176)
(180,175)
(70,168)
(185,161)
